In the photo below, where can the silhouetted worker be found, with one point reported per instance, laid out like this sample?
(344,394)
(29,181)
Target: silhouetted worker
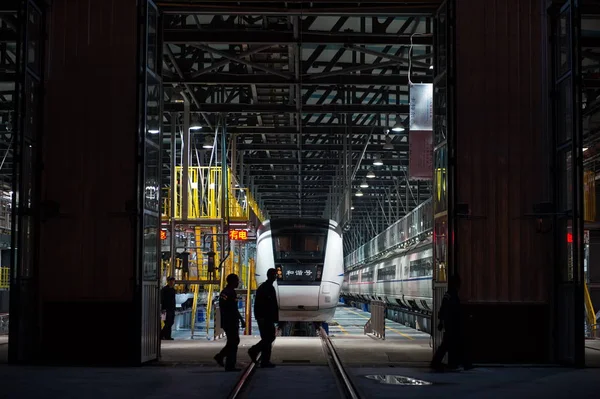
(266,312)
(167,302)
(450,320)
(230,322)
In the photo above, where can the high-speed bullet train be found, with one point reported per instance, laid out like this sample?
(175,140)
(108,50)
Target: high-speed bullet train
(403,280)
(308,256)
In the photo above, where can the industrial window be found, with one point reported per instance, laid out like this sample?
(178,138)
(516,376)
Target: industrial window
(366,275)
(386,273)
(421,267)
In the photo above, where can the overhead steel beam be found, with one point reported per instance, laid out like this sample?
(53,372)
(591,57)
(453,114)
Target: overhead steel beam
(337,78)
(367,8)
(241,36)
(286,108)
(326,180)
(226,61)
(317,147)
(239,59)
(310,161)
(319,172)
(306,130)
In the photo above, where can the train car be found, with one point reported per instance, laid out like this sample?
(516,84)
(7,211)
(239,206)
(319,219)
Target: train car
(308,256)
(402,280)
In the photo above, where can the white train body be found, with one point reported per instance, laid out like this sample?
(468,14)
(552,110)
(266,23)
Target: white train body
(308,256)
(403,279)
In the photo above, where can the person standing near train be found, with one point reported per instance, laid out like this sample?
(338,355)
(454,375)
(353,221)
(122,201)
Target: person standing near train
(266,312)
(230,322)
(451,321)
(167,304)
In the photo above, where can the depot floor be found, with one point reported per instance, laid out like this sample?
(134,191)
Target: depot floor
(187,370)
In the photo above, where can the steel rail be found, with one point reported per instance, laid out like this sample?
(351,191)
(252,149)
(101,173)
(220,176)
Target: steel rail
(244,380)
(346,386)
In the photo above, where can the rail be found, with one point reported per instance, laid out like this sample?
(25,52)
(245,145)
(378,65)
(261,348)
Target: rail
(376,324)
(347,388)
(244,380)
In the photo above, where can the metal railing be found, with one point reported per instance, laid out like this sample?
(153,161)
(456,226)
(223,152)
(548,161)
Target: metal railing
(376,324)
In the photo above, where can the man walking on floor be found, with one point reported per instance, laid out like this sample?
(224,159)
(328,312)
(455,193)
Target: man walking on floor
(230,319)
(266,312)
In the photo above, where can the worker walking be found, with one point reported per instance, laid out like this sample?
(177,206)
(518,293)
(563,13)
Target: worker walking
(230,322)
(450,320)
(167,302)
(266,312)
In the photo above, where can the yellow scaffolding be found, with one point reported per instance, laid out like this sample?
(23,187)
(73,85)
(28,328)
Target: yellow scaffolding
(205,202)
(4,278)
(207,180)
(591,314)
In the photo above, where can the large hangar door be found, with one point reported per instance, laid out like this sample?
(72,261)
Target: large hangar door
(24,79)
(569,279)
(150,142)
(443,134)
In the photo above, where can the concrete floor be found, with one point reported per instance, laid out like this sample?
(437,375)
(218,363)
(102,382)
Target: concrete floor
(187,370)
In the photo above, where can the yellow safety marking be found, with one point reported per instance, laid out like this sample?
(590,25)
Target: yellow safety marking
(341,328)
(387,328)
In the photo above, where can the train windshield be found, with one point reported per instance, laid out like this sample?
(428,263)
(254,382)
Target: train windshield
(299,245)
(299,250)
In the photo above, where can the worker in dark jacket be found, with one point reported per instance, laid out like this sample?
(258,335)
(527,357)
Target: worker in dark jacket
(451,321)
(167,302)
(266,312)
(230,322)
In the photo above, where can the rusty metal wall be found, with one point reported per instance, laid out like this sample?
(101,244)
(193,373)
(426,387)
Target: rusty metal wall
(502,151)
(89,149)
(87,253)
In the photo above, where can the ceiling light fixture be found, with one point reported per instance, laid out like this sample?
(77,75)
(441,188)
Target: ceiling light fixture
(377,161)
(585,148)
(153,131)
(370,174)
(359,193)
(208,143)
(388,143)
(364,184)
(398,125)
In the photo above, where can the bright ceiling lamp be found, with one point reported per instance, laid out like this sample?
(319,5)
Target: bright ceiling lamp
(359,193)
(208,143)
(377,161)
(195,125)
(585,148)
(370,174)
(388,143)
(153,131)
(351,208)
(364,184)
(398,126)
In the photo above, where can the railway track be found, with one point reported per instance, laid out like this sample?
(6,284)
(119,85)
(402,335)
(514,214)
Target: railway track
(346,388)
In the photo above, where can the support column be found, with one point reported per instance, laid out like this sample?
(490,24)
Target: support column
(503,254)
(87,254)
